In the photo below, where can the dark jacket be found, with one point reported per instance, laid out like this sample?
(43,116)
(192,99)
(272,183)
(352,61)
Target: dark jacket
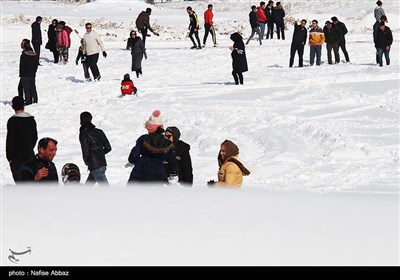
(279,14)
(342,27)
(143,21)
(299,35)
(81,55)
(21,137)
(52,35)
(28,64)
(184,162)
(239,61)
(30,169)
(148,155)
(136,45)
(36,33)
(332,35)
(194,21)
(384,38)
(269,12)
(253,19)
(95,146)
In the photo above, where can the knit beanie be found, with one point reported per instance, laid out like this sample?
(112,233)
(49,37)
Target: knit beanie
(154,122)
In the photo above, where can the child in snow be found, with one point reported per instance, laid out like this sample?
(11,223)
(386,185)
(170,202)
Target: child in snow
(127,86)
(82,56)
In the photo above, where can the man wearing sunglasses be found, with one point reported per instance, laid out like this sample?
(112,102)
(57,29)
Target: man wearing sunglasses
(93,45)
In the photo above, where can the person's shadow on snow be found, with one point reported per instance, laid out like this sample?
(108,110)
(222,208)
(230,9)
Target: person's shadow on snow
(74,80)
(220,83)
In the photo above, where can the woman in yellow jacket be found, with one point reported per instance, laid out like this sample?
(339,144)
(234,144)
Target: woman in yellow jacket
(231,170)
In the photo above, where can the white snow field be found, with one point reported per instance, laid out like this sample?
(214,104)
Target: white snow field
(322,143)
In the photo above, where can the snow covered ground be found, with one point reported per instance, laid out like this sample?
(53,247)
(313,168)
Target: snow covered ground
(322,143)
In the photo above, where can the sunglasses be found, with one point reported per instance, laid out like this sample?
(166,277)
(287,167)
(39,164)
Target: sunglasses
(168,136)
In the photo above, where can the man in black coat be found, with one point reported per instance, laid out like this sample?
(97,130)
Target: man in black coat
(298,42)
(40,168)
(184,162)
(28,65)
(95,146)
(21,138)
(384,40)
(342,42)
(37,36)
(333,35)
(255,28)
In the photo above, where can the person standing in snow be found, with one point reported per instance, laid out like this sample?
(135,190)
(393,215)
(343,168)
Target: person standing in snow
(298,42)
(28,66)
(69,30)
(52,40)
(316,39)
(333,35)
(384,40)
(37,36)
(41,168)
(194,28)
(342,42)
(239,60)
(279,14)
(269,12)
(62,44)
(261,18)
(93,46)
(137,51)
(143,24)
(150,153)
(21,138)
(231,170)
(184,162)
(254,25)
(95,146)
(209,25)
(81,55)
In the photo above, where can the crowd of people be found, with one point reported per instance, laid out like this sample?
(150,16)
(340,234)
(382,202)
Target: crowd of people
(160,155)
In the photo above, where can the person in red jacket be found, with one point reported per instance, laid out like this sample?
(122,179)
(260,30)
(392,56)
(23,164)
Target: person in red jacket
(208,25)
(127,86)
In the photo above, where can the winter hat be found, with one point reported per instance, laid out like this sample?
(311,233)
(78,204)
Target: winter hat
(154,122)
(127,77)
(175,133)
(70,173)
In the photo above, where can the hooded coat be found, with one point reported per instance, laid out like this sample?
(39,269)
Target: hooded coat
(231,170)
(183,159)
(148,156)
(239,61)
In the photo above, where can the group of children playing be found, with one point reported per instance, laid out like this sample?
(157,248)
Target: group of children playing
(127,86)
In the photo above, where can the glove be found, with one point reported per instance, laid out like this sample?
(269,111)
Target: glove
(239,51)
(155,33)
(210,183)
(173,179)
(104,54)
(76,62)
(128,165)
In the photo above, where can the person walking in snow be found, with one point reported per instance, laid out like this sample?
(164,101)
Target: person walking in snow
(209,25)
(194,28)
(261,18)
(37,36)
(143,24)
(342,42)
(93,46)
(239,60)
(137,51)
(28,65)
(81,56)
(254,25)
(41,168)
(298,42)
(127,86)
(150,153)
(384,40)
(51,44)
(95,146)
(279,14)
(21,137)
(316,39)
(184,162)
(231,170)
